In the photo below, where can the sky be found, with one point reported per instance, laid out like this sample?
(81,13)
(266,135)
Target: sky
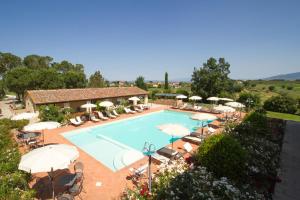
(127,38)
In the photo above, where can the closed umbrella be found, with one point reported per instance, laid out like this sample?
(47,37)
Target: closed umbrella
(41,126)
(174,130)
(106,104)
(49,159)
(24,116)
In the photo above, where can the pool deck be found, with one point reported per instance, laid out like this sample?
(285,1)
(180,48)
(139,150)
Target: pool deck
(112,183)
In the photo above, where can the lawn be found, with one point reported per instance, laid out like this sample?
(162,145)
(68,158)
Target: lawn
(283,116)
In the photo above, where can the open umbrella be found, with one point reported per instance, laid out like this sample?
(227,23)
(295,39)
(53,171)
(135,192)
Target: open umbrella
(195,98)
(133,99)
(88,106)
(49,159)
(174,130)
(24,115)
(106,104)
(235,104)
(225,99)
(212,99)
(203,117)
(41,126)
(224,109)
(181,96)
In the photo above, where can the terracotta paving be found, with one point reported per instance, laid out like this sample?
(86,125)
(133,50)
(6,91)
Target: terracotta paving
(113,183)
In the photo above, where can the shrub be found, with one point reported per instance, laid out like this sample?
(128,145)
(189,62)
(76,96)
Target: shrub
(51,113)
(271,88)
(222,155)
(14,183)
(282,86)
(289,87)
(283,104)
(153,93)
(250,100)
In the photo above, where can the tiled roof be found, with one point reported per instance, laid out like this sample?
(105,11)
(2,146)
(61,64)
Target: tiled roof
(67,95)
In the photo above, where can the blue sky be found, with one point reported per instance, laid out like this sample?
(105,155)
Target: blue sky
(124,39)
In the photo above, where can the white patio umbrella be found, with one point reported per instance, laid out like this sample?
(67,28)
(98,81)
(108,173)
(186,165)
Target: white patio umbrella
(49,159)
(106,104)
(203,117)
(225,99)
(212,99)
(88,106)
(181,96)
(195,98)
(224,109)
(134,99)
(41,126)
(24,115)
(174,130)
(235,104)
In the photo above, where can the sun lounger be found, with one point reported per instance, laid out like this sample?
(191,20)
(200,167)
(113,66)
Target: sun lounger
(169,153)
(100,115)
(74,122)
(211,130)
(94,119)
(197,108)
(110,115)
(192,139)
(137,109)
(129,111)
(115,113)
(188,147)
(139,171)
(79,120)
(184,106)
(160,158)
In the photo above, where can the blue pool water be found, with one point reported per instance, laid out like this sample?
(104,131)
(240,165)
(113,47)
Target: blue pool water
(120,143)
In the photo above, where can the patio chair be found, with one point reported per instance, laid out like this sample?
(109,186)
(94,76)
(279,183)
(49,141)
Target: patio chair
(137,173)
(192,139)
(78,167)
(76,189)
(197,108)
(211,130)
(110,115)
(188,147)
(129,111)
(79,119)
(100,115)
(137,109)
(184,106)
(160,158)
(94,119)
(169,153)
(115,113)
(74,122)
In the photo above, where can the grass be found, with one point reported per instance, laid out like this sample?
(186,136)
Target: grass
(283,116)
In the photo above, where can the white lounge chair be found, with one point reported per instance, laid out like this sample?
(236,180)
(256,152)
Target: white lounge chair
(100,115)
(184,106)
(129,111)
(160,158)
(94,119)
(115,113)
(110,115)
(74,122)
(79,120)
(139,171)
(197,108)
(211,130)
(137,109)
(188,147)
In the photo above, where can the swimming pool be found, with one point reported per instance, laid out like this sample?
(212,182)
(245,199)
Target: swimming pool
(120,143)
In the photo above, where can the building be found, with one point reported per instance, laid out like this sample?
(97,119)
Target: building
(74,98)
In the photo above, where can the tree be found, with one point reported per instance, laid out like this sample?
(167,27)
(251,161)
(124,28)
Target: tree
(8,61)
(250,100)
(18,80)
(2,91)
(211,79)
(47,79)
(37,62)
(140,82)
(96,80)
(166,81)
(74,79)
(66,66)
(283,104)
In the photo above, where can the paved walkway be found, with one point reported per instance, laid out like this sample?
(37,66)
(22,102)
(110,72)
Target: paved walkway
(289,188)
(6,111)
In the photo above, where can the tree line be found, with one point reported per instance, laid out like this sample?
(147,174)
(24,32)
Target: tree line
(42,72)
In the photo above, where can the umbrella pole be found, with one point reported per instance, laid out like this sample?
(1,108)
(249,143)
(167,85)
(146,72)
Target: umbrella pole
(50,174)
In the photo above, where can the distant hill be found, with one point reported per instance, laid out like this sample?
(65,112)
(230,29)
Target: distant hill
(291,76)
